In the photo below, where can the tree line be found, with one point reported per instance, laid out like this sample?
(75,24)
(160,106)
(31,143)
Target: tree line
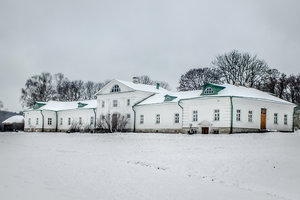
(45,87)
(234,68)
(243,69)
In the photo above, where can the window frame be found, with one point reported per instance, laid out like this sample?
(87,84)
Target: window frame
(116,88)
(250,116)
(157,119)
(285,119)
(238,115)
(37,121)
(80,121)
(195,115)
(142,118)
(128,102)
(208,90)
(216,114)
(49,121)
(115,103)
(69,121)
(176,118)
(275,118)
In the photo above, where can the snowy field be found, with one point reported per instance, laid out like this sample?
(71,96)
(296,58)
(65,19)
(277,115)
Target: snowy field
(149,166)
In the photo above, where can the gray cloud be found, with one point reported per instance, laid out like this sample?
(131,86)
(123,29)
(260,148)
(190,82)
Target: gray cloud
(98,40)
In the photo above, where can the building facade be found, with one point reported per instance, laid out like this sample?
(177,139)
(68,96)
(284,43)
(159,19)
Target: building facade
(128,106)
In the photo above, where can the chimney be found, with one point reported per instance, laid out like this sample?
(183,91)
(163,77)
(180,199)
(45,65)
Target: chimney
(135,79)
(157,85)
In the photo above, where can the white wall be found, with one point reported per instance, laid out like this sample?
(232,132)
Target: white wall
(255,105)
(122,97)
(85,114)
(167,118)
(205,107)
(34,114)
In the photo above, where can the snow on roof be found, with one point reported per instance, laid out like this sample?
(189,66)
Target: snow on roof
(69,105)
(241,91)
(229,90)
(143,87)
(14,119)
(160,98)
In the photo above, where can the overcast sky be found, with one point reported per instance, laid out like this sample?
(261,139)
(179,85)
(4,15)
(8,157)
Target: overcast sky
(99,40)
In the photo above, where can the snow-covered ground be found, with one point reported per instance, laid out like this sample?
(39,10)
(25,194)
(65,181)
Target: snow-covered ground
(149,166)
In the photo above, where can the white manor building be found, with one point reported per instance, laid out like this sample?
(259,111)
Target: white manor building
(147,108)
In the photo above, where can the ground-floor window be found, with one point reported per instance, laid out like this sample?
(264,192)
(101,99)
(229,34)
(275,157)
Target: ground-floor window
(275,118)
(92,120)
(37,121)
(176,120)
(285,119)
(157,121)
(29,121)
(250,116)
(49,121)
(141,119)
(69,121)
(195,115)
(61,121)
(128,116)
(238,115)
(217,115)
(80,120)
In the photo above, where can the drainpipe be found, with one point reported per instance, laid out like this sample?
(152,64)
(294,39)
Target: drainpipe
(231,121)
(42,121)
(134,117)
(294,116)
(56,125)
(94,109)
(134,113)
(181,113)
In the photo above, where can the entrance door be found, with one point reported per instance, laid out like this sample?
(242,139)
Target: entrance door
(204,130)
(263,114)
(114,121)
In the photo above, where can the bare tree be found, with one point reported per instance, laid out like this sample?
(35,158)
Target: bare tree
(38,88)
(194,79)
(145,79)
(293,88)
(112,122)
(241,68)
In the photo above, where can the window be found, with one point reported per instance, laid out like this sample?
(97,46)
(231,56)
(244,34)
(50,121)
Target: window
(238,115)
(37,121)
(275,118)
(285,119)
(208,90)
(128,102)
(29,121)
(115,103)
(128,116)
(250,116)
(115,88)
(69,121)
(176,120)
(157,118)
(80,120)
(103,104)
(195,115)
(92,120)
(102,117)
(61,121)
(141,119)
(49,121)
(217,115)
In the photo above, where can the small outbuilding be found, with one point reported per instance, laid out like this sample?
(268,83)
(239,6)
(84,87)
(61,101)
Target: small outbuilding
(14,123)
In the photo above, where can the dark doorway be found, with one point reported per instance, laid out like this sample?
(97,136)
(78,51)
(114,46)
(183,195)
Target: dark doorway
(204,130)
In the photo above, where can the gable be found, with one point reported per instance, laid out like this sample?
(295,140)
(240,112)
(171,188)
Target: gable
(211,89)
(111,88)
